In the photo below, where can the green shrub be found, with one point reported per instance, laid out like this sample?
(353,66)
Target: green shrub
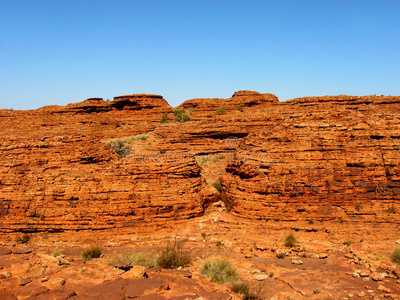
(348,243)
(164,118)
(203,235)
(218,243)
(137,259)
(119,147)
(220,111)
(240,106)
(91,252)
(217,185)
(173,256)
(220,271)
(395,256)
(181,115)
(290,240)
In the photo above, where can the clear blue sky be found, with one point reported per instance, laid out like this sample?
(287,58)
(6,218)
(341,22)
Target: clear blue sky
(63,51)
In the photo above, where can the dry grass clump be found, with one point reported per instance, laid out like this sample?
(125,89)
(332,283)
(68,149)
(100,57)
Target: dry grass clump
(23,239)
(290,240)
(91,252)
(173,256)
(134,258)
(220,271)
(395,256)
(206,159)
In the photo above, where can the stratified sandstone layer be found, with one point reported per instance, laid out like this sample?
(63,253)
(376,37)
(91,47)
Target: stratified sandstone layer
(320,158)
(331,157)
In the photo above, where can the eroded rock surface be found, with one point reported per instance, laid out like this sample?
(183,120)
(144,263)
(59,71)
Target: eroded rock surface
(315,158)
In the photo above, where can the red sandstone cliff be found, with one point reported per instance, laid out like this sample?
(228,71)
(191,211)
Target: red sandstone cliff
(331,157)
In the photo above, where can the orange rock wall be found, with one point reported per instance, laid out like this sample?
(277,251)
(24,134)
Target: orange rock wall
(314,158)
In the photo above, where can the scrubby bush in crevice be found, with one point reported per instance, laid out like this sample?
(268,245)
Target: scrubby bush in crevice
(164,118)
(217,185)
(181,115)
(220,111)
(119,147)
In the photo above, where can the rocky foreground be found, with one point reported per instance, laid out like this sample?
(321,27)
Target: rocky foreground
(231,176)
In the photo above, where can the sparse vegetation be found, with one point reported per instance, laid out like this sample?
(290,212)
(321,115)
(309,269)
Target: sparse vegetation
(317,291)
(358,207)
(134,258)
(395,255)
(281,255)
(240,287)
(220,111)
(218,243)
(23,239)
(119,147)
(392,209)
(173,256)
(247,293)
(348,243)
(220,271)
(56,253)
(91,252)
(240,107)
(164,118)
(217,185)
(181,115)
(138,137)
(204,160)
(311,221)
(203,235)
(290,240)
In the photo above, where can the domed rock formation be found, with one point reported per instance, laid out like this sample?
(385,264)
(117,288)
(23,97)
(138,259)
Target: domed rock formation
(140,101)
(100,165)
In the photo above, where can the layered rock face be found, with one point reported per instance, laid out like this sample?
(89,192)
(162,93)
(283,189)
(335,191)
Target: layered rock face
(240,101)
(317,158)
(57,172)
(141,101)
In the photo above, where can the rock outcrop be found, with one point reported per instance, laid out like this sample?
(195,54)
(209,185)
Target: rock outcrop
(140,101)
(95,165)
(335,158)
(200,108)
